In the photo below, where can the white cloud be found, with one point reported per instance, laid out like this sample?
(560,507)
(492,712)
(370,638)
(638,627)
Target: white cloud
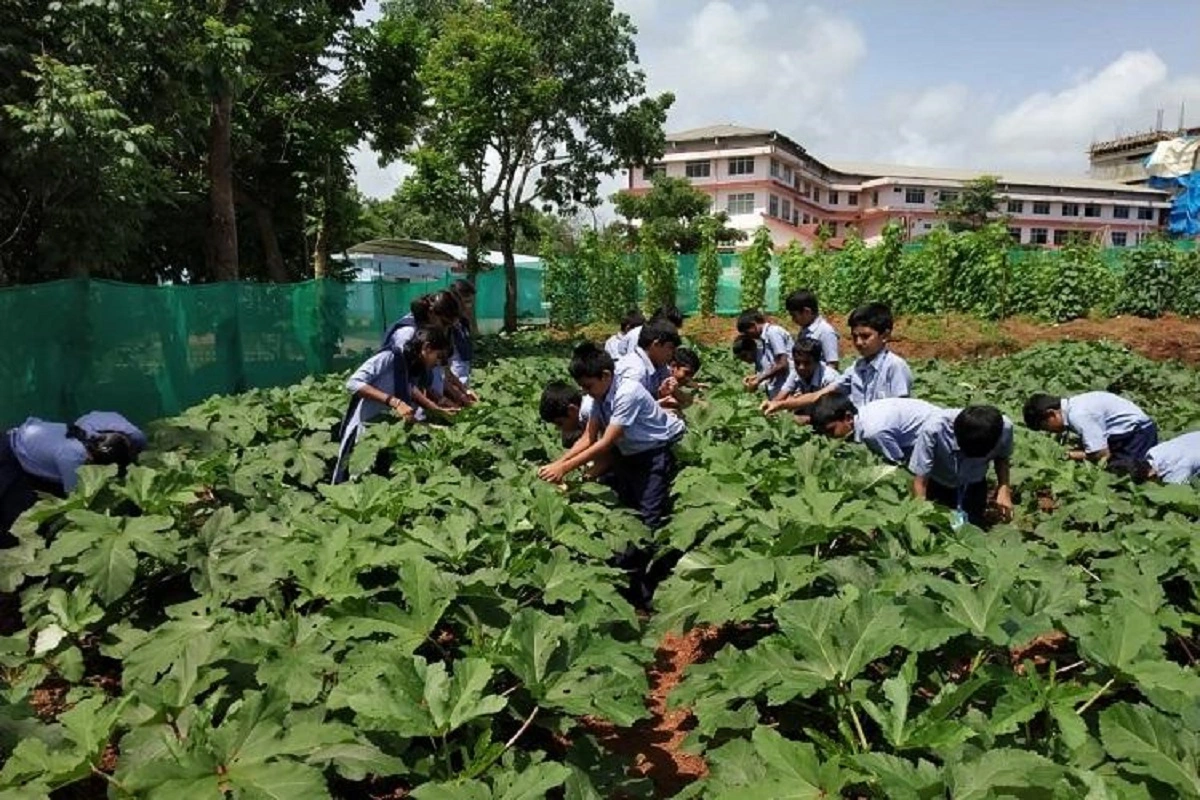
(372,179)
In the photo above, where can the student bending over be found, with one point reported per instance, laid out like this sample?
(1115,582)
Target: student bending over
(810,373)
(773,354)
(1109,425)
(1174,461)
(615,345)
(888,427)
(950,461)
(567,409)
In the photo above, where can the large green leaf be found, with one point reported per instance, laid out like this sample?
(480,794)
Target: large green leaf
(1150,743)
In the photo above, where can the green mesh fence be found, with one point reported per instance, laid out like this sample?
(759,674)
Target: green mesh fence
(151,351)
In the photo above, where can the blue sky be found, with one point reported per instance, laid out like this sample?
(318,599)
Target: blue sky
(1010,84)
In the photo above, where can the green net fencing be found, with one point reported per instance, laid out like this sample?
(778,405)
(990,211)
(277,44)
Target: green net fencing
(151,351)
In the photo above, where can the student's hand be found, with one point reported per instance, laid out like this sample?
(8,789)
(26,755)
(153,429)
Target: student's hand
(1077,455)
(472,397)
(1004,502)
(552,473)
(402,410)
(668,388)
(769,406)
(750,382)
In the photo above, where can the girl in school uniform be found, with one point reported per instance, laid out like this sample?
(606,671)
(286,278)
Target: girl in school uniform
(389,382)
(439,309)
(40,456)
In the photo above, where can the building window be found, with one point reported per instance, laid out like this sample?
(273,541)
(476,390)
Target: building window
(1041,207)
(1070,209)
(1061,237)
(786,209)
(1119,238)
(698,169)
(1145,213)
(741,165)
(787,174)
(740,203)
(927,226)
(1017,207)
(914,196)
(875,199)
(816,195)
(833,197)
(1015,233)
(832,228)
(795,216)
(1091,210)
(651,170)
(1120,212)
(775,171)
(949,197)
(852,199)
(1037,235)
(773,206)
(805,219)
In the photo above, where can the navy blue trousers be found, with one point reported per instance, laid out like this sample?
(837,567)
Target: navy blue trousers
(1133,446)
(18,490)
(643,483)
(974,502)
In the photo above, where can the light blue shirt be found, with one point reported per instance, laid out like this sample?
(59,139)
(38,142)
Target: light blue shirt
(637,366)
(585,410)
(774,342)
(401,336)
(646,424)
(886,375)
(380,371)
(1177,460)
(1095,416)
(824,333)
(628,342)
(936,455)
(889,427)
(613,346)
(822,376)
(44,450)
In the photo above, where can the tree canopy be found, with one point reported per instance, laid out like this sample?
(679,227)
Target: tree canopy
(678,213)
(973,207)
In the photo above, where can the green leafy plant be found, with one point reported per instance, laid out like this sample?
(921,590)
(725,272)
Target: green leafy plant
(756,268)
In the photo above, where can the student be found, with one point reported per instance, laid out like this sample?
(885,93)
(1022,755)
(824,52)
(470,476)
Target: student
(950,460)
(40,456)
(615,344)
(810,373)
(1174,461)
(388,382)
(443,310)
(888,427)
(878,373)
(463,350)
(775,352)
(668,313)
(567,409)
(802,308)
(649,362)
(685,366)
(1109,425)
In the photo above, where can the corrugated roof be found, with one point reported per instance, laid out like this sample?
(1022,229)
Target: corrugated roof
(871,170)
(716,132)
(432,251)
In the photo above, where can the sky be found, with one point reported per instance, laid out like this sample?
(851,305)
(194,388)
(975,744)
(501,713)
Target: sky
(987,84)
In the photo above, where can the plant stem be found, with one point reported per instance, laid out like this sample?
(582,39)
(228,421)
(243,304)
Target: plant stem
(862,738)
(1095,697)
(116,784)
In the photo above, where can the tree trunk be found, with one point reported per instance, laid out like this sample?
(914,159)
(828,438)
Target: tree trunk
(267,236)
(321,250)
(222,227)
(507,237)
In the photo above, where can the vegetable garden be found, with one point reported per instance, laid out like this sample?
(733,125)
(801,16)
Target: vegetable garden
(223,623)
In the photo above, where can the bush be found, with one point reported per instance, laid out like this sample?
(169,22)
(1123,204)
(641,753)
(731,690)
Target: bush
(708,271)
(756,268)
(1146,279)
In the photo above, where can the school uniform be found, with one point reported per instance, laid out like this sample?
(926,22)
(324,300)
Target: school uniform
(637,366)
(955,480)
(822,376)
(886,375)
(615,346)
(463,351)
(774,342)
(628,342)
(398,335)
(585,413)
(1105,420)
(388,372)
(890,427)
(824,333)
(1177,460)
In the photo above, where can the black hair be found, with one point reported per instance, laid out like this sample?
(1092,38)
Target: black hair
(631,320)
(427,335)
(745,346)
(748,319)
(105,447)
(687,358)
(462,288)
(978,430)
(801,300)
(831,408)
(808,347)
(557,399)
(670,313)
(1037,407)
(438,304)
(1137,471)
(876,316)
(658,330)
(590,361)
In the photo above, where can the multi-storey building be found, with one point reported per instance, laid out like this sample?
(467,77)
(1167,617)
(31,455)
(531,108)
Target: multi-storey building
(761,177)
(1124,159)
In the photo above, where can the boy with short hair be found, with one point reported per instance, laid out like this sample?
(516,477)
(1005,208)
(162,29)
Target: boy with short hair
(810,373)
(950,460)
(567,409)
(1174,461)
(649,362)
(614,344)
(877,374)
(629,341)
(1109,425)
(888,427)
(774,359)
(802,307)
(685,366)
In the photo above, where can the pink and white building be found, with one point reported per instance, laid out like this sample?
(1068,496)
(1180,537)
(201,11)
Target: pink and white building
(761,177)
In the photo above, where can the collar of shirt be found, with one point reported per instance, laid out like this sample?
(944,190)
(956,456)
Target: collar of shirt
(1066,420)
(872,367)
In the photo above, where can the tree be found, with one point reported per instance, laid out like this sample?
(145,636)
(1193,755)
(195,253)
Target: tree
(756,268)
(974,206)
(522,110)
(679,213)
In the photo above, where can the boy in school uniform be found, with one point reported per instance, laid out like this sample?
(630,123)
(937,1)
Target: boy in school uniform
(680,386)
(1109,425)
(1173,461)
(889,428)
(950,461)
(877,374)
(774,358)
(668,313)
(803,309)
(615,344)
(810,373)
(649,362)
(566,408)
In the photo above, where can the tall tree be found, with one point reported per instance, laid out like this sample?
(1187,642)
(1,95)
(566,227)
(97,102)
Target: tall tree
(974,205)
(529,104)
(678,212)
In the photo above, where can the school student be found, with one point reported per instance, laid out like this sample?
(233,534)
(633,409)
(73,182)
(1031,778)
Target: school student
(668,313)
(878,373)
(463,350)
(950,461)
(679,389)
(650,362)
(41,456)
(390,382)
(810,373)
(1173,461)
(774,356)
(615,344)
(1109,425)
(888,427)
(566,408)
(438,309)
(802,307)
